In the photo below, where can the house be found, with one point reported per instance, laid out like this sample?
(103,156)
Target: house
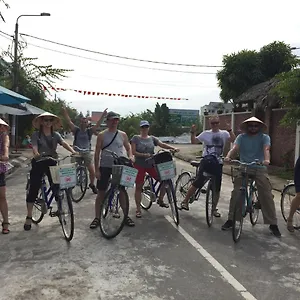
(95,116)
(214,107)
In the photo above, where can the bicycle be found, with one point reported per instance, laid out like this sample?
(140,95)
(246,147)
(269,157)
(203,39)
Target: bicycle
(166,172)
(287,194)
(123,176)
(246,200)
(209,190)
(65,176)
(81,175)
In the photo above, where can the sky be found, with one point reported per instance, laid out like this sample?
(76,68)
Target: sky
(183,32)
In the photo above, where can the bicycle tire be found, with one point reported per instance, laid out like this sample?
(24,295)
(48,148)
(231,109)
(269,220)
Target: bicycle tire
(172,201)
(146,193)
(83,184)
(104,208)
(179,188)
(254,212)
(36,205)
(209,210)
(238,214)
(67,192)
(284,193)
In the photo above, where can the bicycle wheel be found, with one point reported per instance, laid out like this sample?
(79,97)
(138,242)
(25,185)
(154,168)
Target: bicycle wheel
(113,212)
(182,185)
(238,217)
(37,212)
(287,196)
(77,192)
(147,194)
(172,200)
(209,203)
(254,212)
(66,214)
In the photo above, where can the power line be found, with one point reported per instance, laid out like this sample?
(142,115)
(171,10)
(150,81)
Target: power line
(119,56)
(115,63)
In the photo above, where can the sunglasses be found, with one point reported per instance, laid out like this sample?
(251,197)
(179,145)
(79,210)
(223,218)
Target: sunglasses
(215,123)
(146,126)
(48,120)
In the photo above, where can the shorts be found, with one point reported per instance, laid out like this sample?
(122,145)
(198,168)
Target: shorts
(87,159)
(102,183)
(142,172)
(2,180)
(297,176)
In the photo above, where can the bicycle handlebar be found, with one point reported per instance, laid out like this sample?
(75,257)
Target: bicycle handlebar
(114,154)
(81,149)
(47,157)
(256,162)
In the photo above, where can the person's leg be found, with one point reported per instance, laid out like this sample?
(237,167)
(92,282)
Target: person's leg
(36,175)
(88,162)
(218,183)
(152,172)
(102,185)
(264,190)
(3,205)
(294,206)
(138,189)
(234,194)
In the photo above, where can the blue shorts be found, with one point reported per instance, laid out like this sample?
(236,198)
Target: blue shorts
(297,176)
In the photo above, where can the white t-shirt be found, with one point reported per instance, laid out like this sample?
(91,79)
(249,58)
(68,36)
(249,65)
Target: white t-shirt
(213,142)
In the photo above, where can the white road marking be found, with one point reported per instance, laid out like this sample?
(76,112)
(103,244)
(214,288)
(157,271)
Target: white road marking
(224,273)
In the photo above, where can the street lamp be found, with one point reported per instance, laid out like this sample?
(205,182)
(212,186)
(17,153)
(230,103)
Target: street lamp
(15,67)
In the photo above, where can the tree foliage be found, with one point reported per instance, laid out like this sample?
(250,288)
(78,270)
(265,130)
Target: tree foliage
(288,90)
(247,68)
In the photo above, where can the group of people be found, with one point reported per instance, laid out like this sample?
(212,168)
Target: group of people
(251,145)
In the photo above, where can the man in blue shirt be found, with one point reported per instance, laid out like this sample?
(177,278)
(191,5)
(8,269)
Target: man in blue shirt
(253,145)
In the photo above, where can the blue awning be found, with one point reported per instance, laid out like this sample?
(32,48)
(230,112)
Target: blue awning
(9,97)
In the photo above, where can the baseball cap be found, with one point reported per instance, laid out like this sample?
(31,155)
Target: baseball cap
(112,115)
(144,123)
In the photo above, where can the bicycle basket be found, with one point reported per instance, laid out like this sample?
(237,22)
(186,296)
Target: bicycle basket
(166,170)
(64,175)
(162,157)
(123,175)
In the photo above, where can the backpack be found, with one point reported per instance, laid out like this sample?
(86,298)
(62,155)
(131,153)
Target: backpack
(89,132)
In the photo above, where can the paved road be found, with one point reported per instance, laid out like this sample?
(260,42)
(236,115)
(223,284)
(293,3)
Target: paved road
(153,260)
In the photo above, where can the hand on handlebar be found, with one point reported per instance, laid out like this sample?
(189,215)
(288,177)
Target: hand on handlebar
(266,162)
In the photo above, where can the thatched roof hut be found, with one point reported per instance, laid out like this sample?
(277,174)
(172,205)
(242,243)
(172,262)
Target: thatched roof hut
(261,95)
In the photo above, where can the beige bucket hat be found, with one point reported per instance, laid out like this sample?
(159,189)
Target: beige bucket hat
(3,123)
(243,126)
(36,123)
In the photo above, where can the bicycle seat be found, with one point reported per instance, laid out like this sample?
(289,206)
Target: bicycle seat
(195,163)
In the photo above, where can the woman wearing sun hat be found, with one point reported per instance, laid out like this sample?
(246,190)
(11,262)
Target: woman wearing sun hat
(44,143)
(4,146)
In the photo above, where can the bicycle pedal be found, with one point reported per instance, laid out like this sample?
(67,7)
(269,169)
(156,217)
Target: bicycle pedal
(54,214)
(203,191)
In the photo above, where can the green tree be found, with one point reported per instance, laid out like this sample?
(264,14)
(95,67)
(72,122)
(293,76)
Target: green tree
(247,68)
(288,90)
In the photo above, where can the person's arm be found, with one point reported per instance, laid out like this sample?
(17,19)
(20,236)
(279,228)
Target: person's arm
(133,149)
(267,146)
(5,156)
(232,136)
(234,150)
(34,143)
(99,122)
(194,139)
(127,146)
(66,115)
(98,150)
(166,146)
(68,147)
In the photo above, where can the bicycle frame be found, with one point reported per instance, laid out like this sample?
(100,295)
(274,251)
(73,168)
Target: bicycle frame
(247,188)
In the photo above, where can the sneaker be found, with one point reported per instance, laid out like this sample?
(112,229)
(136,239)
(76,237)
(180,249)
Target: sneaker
(228,225)
(275,230)
(93,188)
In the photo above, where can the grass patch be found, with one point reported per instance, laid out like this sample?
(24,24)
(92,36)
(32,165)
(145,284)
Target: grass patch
(284,174)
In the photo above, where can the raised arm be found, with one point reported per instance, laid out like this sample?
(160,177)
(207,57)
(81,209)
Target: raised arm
(66,115)
(194,139)
(101,119)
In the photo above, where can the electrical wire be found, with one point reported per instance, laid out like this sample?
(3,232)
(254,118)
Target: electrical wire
(119,56)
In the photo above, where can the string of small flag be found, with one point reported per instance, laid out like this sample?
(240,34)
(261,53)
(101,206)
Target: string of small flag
(111,94)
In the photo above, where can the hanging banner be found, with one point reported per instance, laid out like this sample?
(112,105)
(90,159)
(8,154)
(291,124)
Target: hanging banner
(89,93)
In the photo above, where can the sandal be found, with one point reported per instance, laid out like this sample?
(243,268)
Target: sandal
(129,222)
(138,214)
(93,188)
(95,223)
(217,214)
(184,206)
(27,226)
(290,226)
(163,204)
(5,230)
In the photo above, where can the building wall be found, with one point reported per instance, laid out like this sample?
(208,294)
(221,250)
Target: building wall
(283,139)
